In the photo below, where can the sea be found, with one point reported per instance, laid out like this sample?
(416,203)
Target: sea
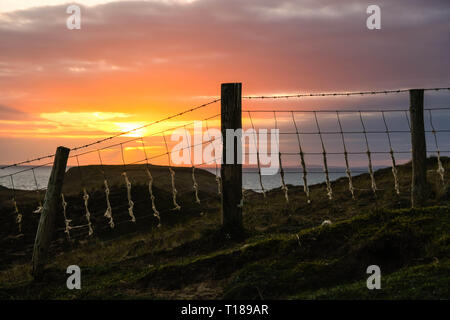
(24,178)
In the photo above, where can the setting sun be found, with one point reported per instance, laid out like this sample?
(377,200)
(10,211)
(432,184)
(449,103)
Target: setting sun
(131,128)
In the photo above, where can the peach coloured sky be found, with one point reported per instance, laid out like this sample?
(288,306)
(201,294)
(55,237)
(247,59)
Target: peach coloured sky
(134,62)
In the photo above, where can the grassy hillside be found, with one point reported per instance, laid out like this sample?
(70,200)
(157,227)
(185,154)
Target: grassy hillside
(285,253)
(17,246)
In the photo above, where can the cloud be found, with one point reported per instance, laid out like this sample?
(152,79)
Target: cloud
(278,45)
(8,113)
(15,5)
(151,56)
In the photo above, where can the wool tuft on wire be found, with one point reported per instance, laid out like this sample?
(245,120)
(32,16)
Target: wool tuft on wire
(152,197)
(283,183)
(194,181)
(241,203)
(172,178)
(66,221)
(16,209)
(440,170)
(108,212)
(302,161)
(18,216)
(369,157)
(87,214)
(347,166)
(197,199)
(174,190)
(130,202)
(391,152)
(325,164)
(85,198)
(40,207)
(255,139)
(150,185)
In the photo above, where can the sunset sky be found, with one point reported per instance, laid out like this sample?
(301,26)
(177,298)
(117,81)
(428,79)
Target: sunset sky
(134,62)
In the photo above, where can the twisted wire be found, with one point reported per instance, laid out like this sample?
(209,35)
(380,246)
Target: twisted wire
(172,178)
(218,178)
(325,164)
(85,201)
(38,194)
(108,212)
(440,170)
(302,161)
(283,184)
(257,154)
(150,186)
(128,185)
(369,157)
(391,152)
(194,181)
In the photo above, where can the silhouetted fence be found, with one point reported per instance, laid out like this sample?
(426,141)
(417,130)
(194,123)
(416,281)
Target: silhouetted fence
(229,181)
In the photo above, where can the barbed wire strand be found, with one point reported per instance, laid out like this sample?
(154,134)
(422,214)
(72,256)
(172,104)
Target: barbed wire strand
(147,125)
(26,162)
(138,138)
(334,94)
(216,100)
(318,172)
(116,135)
(341,110)
(349,152)
(282,133)
(25,170)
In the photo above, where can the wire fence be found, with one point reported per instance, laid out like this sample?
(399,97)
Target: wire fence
(341,145)
(138,156)
(313,146)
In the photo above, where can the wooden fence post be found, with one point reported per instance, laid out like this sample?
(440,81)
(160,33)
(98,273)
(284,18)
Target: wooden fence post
(51,205)
(231,173)
(419,189)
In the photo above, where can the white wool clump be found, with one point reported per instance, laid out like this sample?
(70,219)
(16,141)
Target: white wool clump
(326,223)
(130,202)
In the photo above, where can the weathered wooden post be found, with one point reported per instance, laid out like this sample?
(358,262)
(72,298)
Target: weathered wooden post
(51,204)
(419,189)
(231,171)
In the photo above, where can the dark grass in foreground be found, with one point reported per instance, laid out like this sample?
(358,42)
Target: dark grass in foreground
(285,254)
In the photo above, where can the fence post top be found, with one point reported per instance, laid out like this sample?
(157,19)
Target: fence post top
(232,84)
(62,148)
